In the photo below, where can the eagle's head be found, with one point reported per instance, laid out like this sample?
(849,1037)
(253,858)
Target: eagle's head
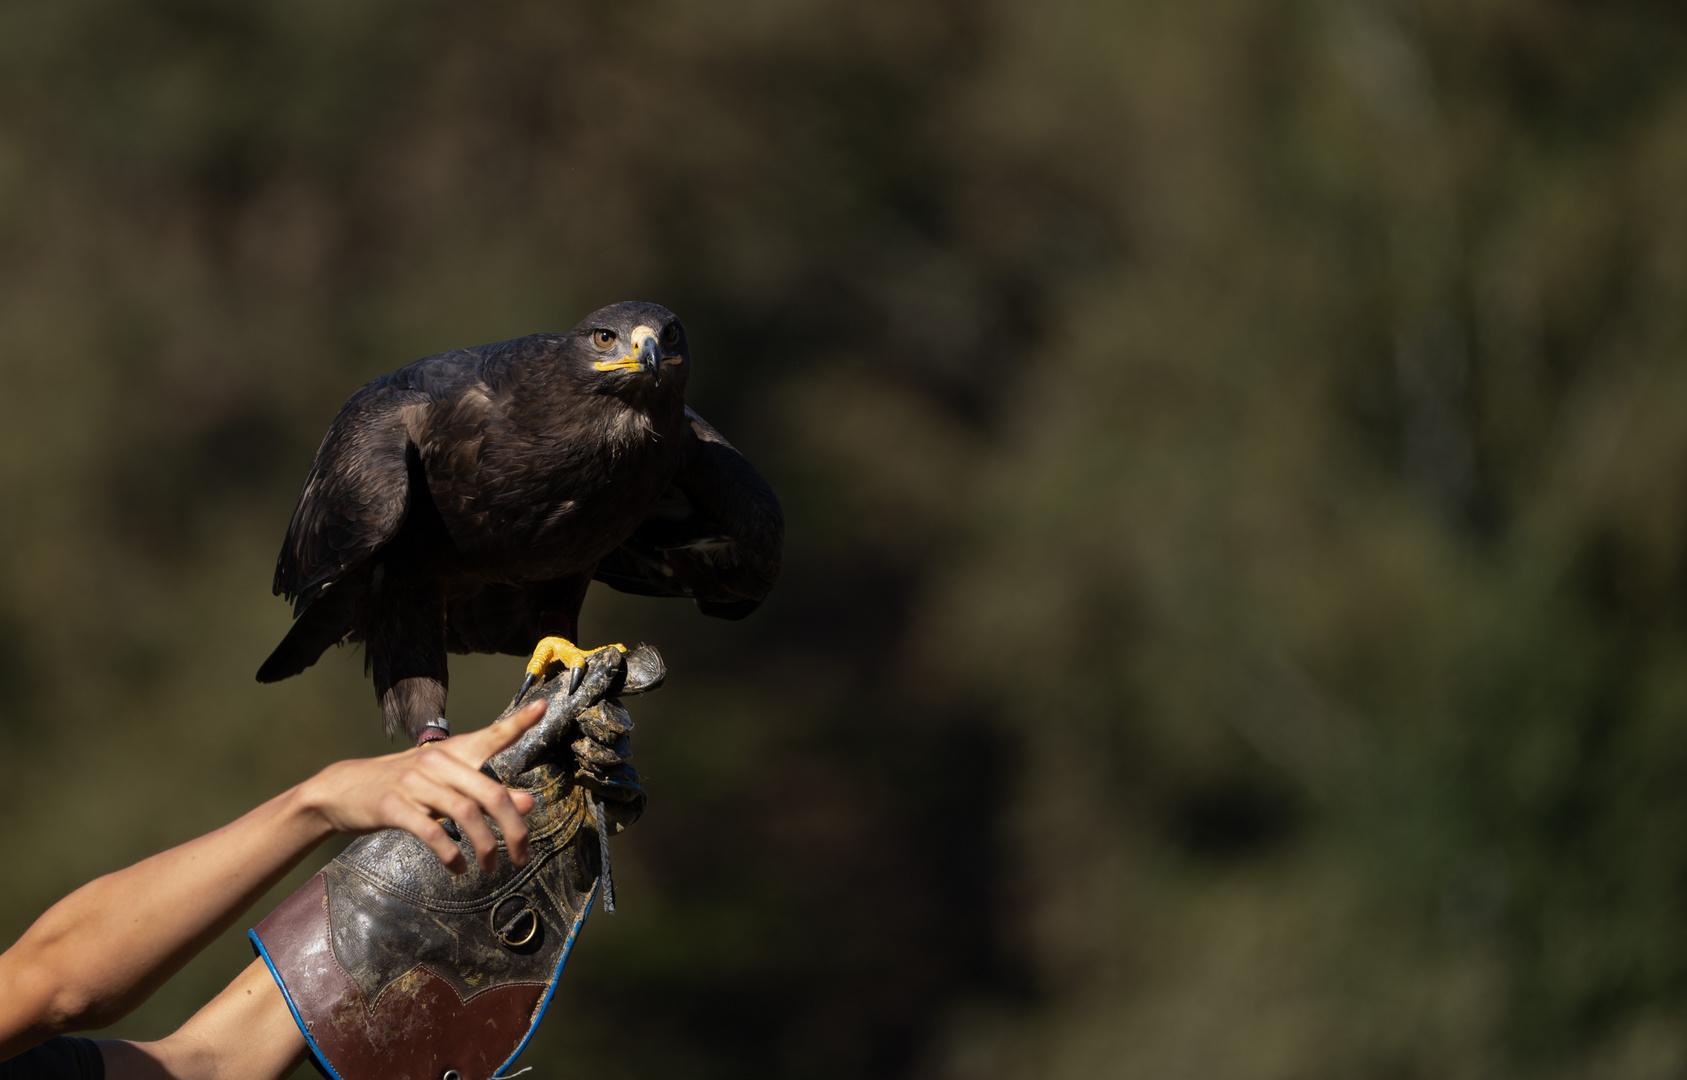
(633,350)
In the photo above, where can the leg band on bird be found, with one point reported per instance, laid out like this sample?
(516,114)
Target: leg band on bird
(394,969)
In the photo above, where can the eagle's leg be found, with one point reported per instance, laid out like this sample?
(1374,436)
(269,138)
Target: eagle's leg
(406,650)
(559,650)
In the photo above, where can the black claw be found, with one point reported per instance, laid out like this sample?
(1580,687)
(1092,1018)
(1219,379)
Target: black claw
(576,676)
(526,685)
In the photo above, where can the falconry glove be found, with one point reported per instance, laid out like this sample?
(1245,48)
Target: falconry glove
(395,969)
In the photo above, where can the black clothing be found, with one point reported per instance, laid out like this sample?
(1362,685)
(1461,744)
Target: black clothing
(64,1058)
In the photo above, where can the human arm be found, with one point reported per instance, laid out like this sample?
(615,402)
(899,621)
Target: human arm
(106,947)
(244,1033)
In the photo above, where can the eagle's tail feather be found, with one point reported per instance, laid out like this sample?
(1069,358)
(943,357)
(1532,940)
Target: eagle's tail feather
(316,628)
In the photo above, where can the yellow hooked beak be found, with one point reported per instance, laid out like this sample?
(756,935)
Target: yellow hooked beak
(645,355)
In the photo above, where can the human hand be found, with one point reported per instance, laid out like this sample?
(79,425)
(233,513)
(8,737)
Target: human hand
(411,790)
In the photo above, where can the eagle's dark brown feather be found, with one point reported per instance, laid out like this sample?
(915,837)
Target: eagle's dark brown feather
(466,501)
(716,536)
(355,494)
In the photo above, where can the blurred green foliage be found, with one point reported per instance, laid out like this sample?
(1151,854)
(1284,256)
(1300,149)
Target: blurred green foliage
(1235,457)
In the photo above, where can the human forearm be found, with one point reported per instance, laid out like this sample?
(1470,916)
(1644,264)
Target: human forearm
(104,948)
(244,1033)
(64,973)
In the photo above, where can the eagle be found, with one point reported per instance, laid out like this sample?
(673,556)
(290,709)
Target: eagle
(465,503)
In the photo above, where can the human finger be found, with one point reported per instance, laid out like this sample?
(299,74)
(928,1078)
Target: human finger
(419,823)
(475,747)
(491,797)
(452,803)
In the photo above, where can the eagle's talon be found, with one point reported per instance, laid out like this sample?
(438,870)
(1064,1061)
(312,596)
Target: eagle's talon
(526,685)
(559,651)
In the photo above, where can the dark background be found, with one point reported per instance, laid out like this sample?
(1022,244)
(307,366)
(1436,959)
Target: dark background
(1235,603)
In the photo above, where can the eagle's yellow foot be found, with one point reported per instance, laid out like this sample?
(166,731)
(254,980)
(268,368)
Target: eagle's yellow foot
(557,650)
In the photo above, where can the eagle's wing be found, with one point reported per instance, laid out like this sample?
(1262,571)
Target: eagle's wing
(356,494)
(716,536)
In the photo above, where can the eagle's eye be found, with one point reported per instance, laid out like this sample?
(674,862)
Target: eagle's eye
(603,339)
(670,334)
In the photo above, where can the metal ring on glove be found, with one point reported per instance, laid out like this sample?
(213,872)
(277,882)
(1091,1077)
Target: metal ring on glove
(507,932)
(509,939)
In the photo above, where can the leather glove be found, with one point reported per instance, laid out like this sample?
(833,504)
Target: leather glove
(394,969)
